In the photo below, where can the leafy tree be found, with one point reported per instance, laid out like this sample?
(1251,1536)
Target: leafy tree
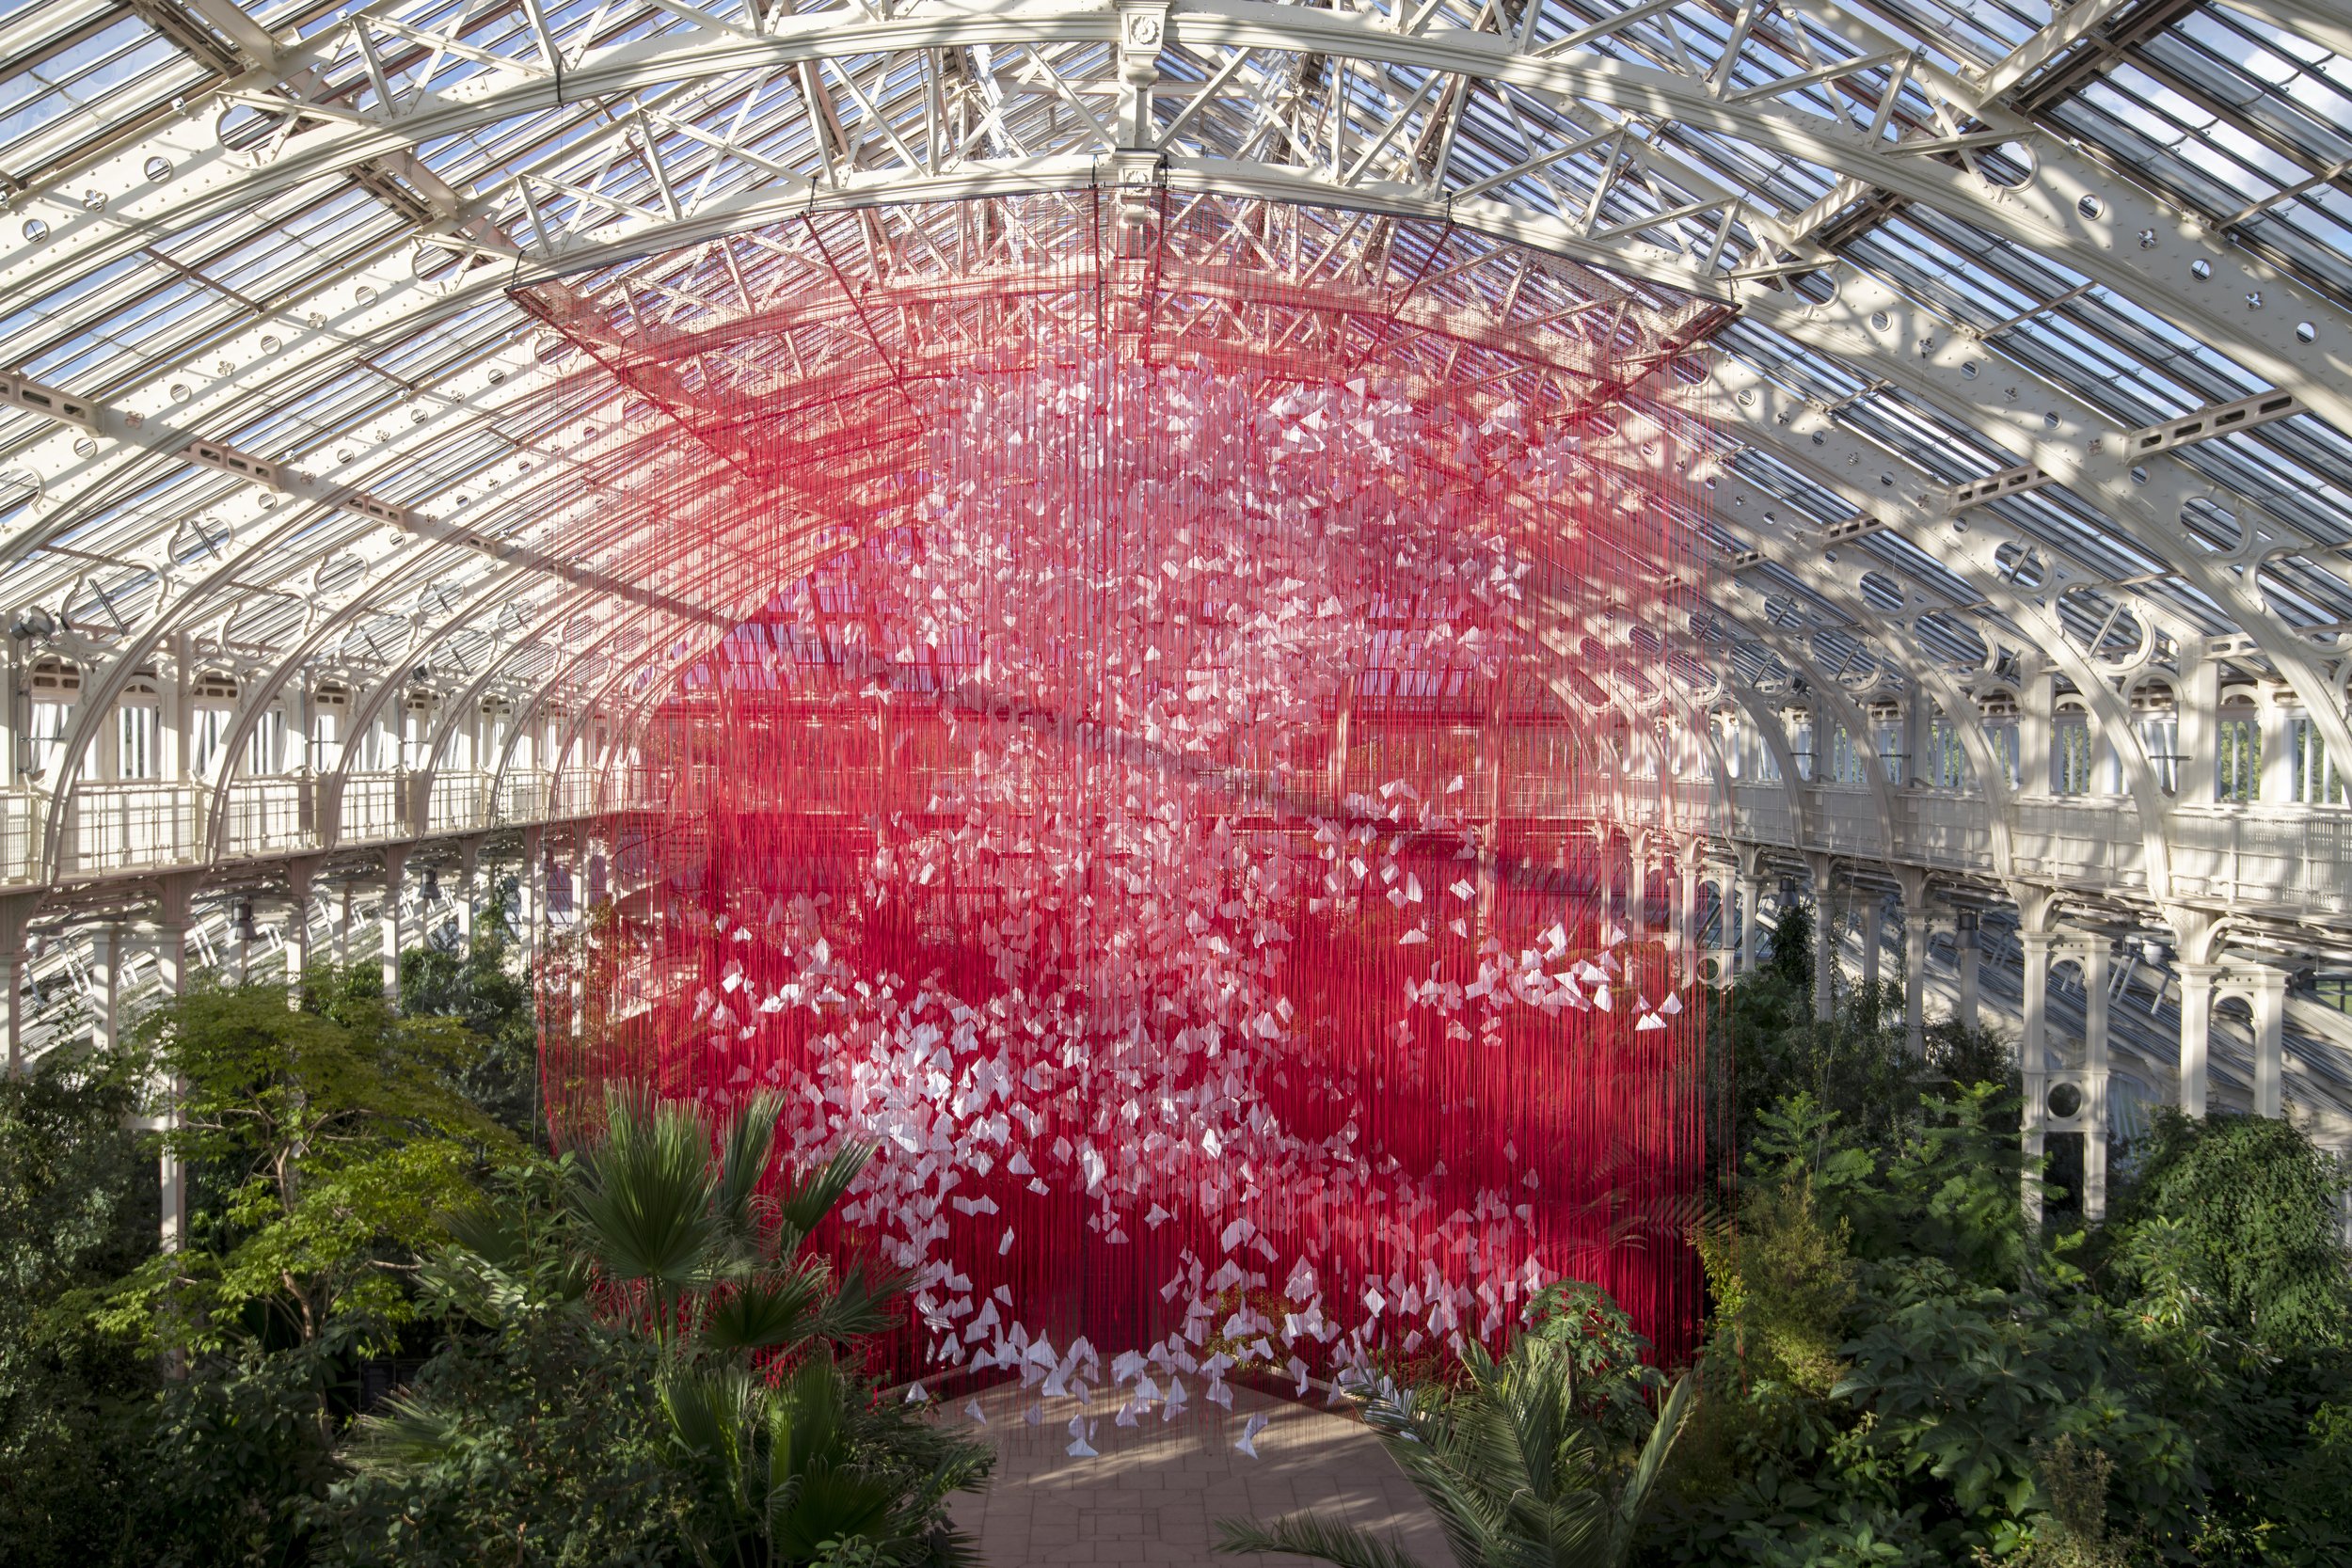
(478,988)
(236,1452)
(1783,1280)
(77,1210)
(1545,1457)
(2075,1477)
(535,1426)
(1768,1047)
(1901,1370)
(2229,1284)
(2259,1216)
(322,1144)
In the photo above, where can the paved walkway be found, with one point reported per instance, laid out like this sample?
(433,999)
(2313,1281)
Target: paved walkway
(1155,1491)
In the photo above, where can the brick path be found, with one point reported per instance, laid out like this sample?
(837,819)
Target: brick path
(1156,1490)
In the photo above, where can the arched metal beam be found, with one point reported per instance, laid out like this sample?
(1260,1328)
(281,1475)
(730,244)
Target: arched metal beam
(2047,214)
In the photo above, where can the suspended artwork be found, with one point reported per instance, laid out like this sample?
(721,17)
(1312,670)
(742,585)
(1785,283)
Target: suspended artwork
(1168,785)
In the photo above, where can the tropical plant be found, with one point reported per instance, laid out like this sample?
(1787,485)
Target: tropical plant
(1766,1047)
(1901,1370)
(545,1434)
(2259,1221)
(1528,1462)
(681,1250)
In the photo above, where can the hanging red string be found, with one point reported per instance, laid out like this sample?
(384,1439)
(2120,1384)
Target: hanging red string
(1164,780)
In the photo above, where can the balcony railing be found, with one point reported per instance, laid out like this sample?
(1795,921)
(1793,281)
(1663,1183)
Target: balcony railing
(2295,861)
(122,827)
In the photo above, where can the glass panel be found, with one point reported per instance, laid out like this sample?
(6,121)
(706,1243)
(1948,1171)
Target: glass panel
(2070,756)
(134,741)
(2161,739)
(2238,767)
(2316,781)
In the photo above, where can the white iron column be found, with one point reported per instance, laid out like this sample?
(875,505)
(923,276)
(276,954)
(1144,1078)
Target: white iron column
(1967,952)
(2033,1057)
(1917,733)
(171,975)
(242,933)
(1338,782)
(1874,933)
(576,883)
(2278,751)
(469,889)
(295,936)
(1917,932)
(531,892)
(1636,883)
(1687,895)
(2036,703)
(395,865)
(295,932)
(2196,1031)
(2096,980)
(1824,944)
(13,1006)
(105,987)
(16,912)
(2269,986)
(2198,706)
(1750,904)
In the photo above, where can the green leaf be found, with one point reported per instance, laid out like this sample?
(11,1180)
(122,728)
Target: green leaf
(861,1303)
(811,1195)
(646,1195)
(767,1314)
(745,1150)
(1312,1535)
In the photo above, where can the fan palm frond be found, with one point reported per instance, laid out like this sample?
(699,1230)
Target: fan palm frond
(492,1232)
(951,1547)
(773,1313)
(815,1402)
(409,1432)
(1310,1535)
(746,1146)
(707,1408)
(861,1303)
(645,1196)
(834,1502)
(812,1194)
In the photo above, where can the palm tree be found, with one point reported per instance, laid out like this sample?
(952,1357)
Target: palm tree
(1512,1467)
(689,1251)
(680,1245)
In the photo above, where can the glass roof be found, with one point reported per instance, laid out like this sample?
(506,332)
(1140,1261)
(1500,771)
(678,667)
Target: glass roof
(327,236)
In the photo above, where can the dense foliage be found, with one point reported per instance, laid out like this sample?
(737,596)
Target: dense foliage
(662,1281)
(366,1211)
(77,1211)
(632,1353)
(1900,1369)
